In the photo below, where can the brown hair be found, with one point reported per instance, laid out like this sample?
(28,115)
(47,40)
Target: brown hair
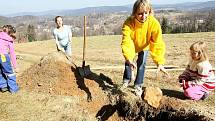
(139,3)
(200,47)
(10,30)
(55,19)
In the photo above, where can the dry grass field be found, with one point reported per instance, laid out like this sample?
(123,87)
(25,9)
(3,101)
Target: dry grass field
(103,54)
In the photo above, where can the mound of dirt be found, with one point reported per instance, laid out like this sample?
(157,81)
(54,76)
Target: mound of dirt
(54,75)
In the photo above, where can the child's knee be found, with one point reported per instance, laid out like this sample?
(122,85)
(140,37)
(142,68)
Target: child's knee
(194,95)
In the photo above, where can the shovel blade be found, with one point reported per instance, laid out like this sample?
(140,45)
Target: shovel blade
(80,71)
(84,71)
(87,70)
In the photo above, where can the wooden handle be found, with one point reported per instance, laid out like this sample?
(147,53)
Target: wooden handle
(84,46)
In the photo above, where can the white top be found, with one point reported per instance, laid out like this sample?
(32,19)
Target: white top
(63,36)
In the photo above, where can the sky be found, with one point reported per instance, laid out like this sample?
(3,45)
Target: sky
(16,6)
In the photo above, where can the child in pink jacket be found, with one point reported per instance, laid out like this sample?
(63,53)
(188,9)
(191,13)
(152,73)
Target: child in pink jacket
(8,60)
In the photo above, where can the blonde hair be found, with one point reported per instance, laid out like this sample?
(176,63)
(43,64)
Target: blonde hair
(139,3)
(200,47)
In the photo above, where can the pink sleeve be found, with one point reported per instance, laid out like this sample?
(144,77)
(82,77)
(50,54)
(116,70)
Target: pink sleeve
(12,55)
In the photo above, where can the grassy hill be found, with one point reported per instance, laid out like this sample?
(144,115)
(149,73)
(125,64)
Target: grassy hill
(101,51)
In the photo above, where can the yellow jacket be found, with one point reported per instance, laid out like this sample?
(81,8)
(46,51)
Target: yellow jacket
(143,36)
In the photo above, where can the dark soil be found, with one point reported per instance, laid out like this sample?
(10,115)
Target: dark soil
(170,109)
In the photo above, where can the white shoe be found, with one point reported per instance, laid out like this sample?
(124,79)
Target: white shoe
(138,91)
(125,85)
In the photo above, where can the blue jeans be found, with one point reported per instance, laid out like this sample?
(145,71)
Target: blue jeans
(7,76)
(67,48)
(141,64)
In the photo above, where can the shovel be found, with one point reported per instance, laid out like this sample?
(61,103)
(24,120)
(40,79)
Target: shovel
(84,70)
(69,59)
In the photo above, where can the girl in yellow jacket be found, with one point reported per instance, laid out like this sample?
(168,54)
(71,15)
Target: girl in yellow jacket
(141,34)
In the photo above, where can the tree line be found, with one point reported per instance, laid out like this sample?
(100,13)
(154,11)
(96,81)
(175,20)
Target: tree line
(195,22)
(111,24)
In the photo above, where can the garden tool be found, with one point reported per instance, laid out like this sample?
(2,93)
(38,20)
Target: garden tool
(69,59)
(84,70)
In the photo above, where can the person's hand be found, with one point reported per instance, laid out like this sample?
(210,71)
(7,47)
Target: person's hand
(133,65)
(162,69)
(61,49)
(16,70)
(181,81)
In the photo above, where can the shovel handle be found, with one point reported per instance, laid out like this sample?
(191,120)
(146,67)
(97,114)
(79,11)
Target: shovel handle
(84,46)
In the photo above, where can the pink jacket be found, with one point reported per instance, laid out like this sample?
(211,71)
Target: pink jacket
(7,47)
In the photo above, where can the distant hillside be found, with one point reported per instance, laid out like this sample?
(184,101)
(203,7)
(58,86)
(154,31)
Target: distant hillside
(3,20)
(77,12)
(101,9)
(126,8)
(189,6)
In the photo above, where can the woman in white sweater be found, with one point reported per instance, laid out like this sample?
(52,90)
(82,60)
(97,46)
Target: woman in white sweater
(63,36)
